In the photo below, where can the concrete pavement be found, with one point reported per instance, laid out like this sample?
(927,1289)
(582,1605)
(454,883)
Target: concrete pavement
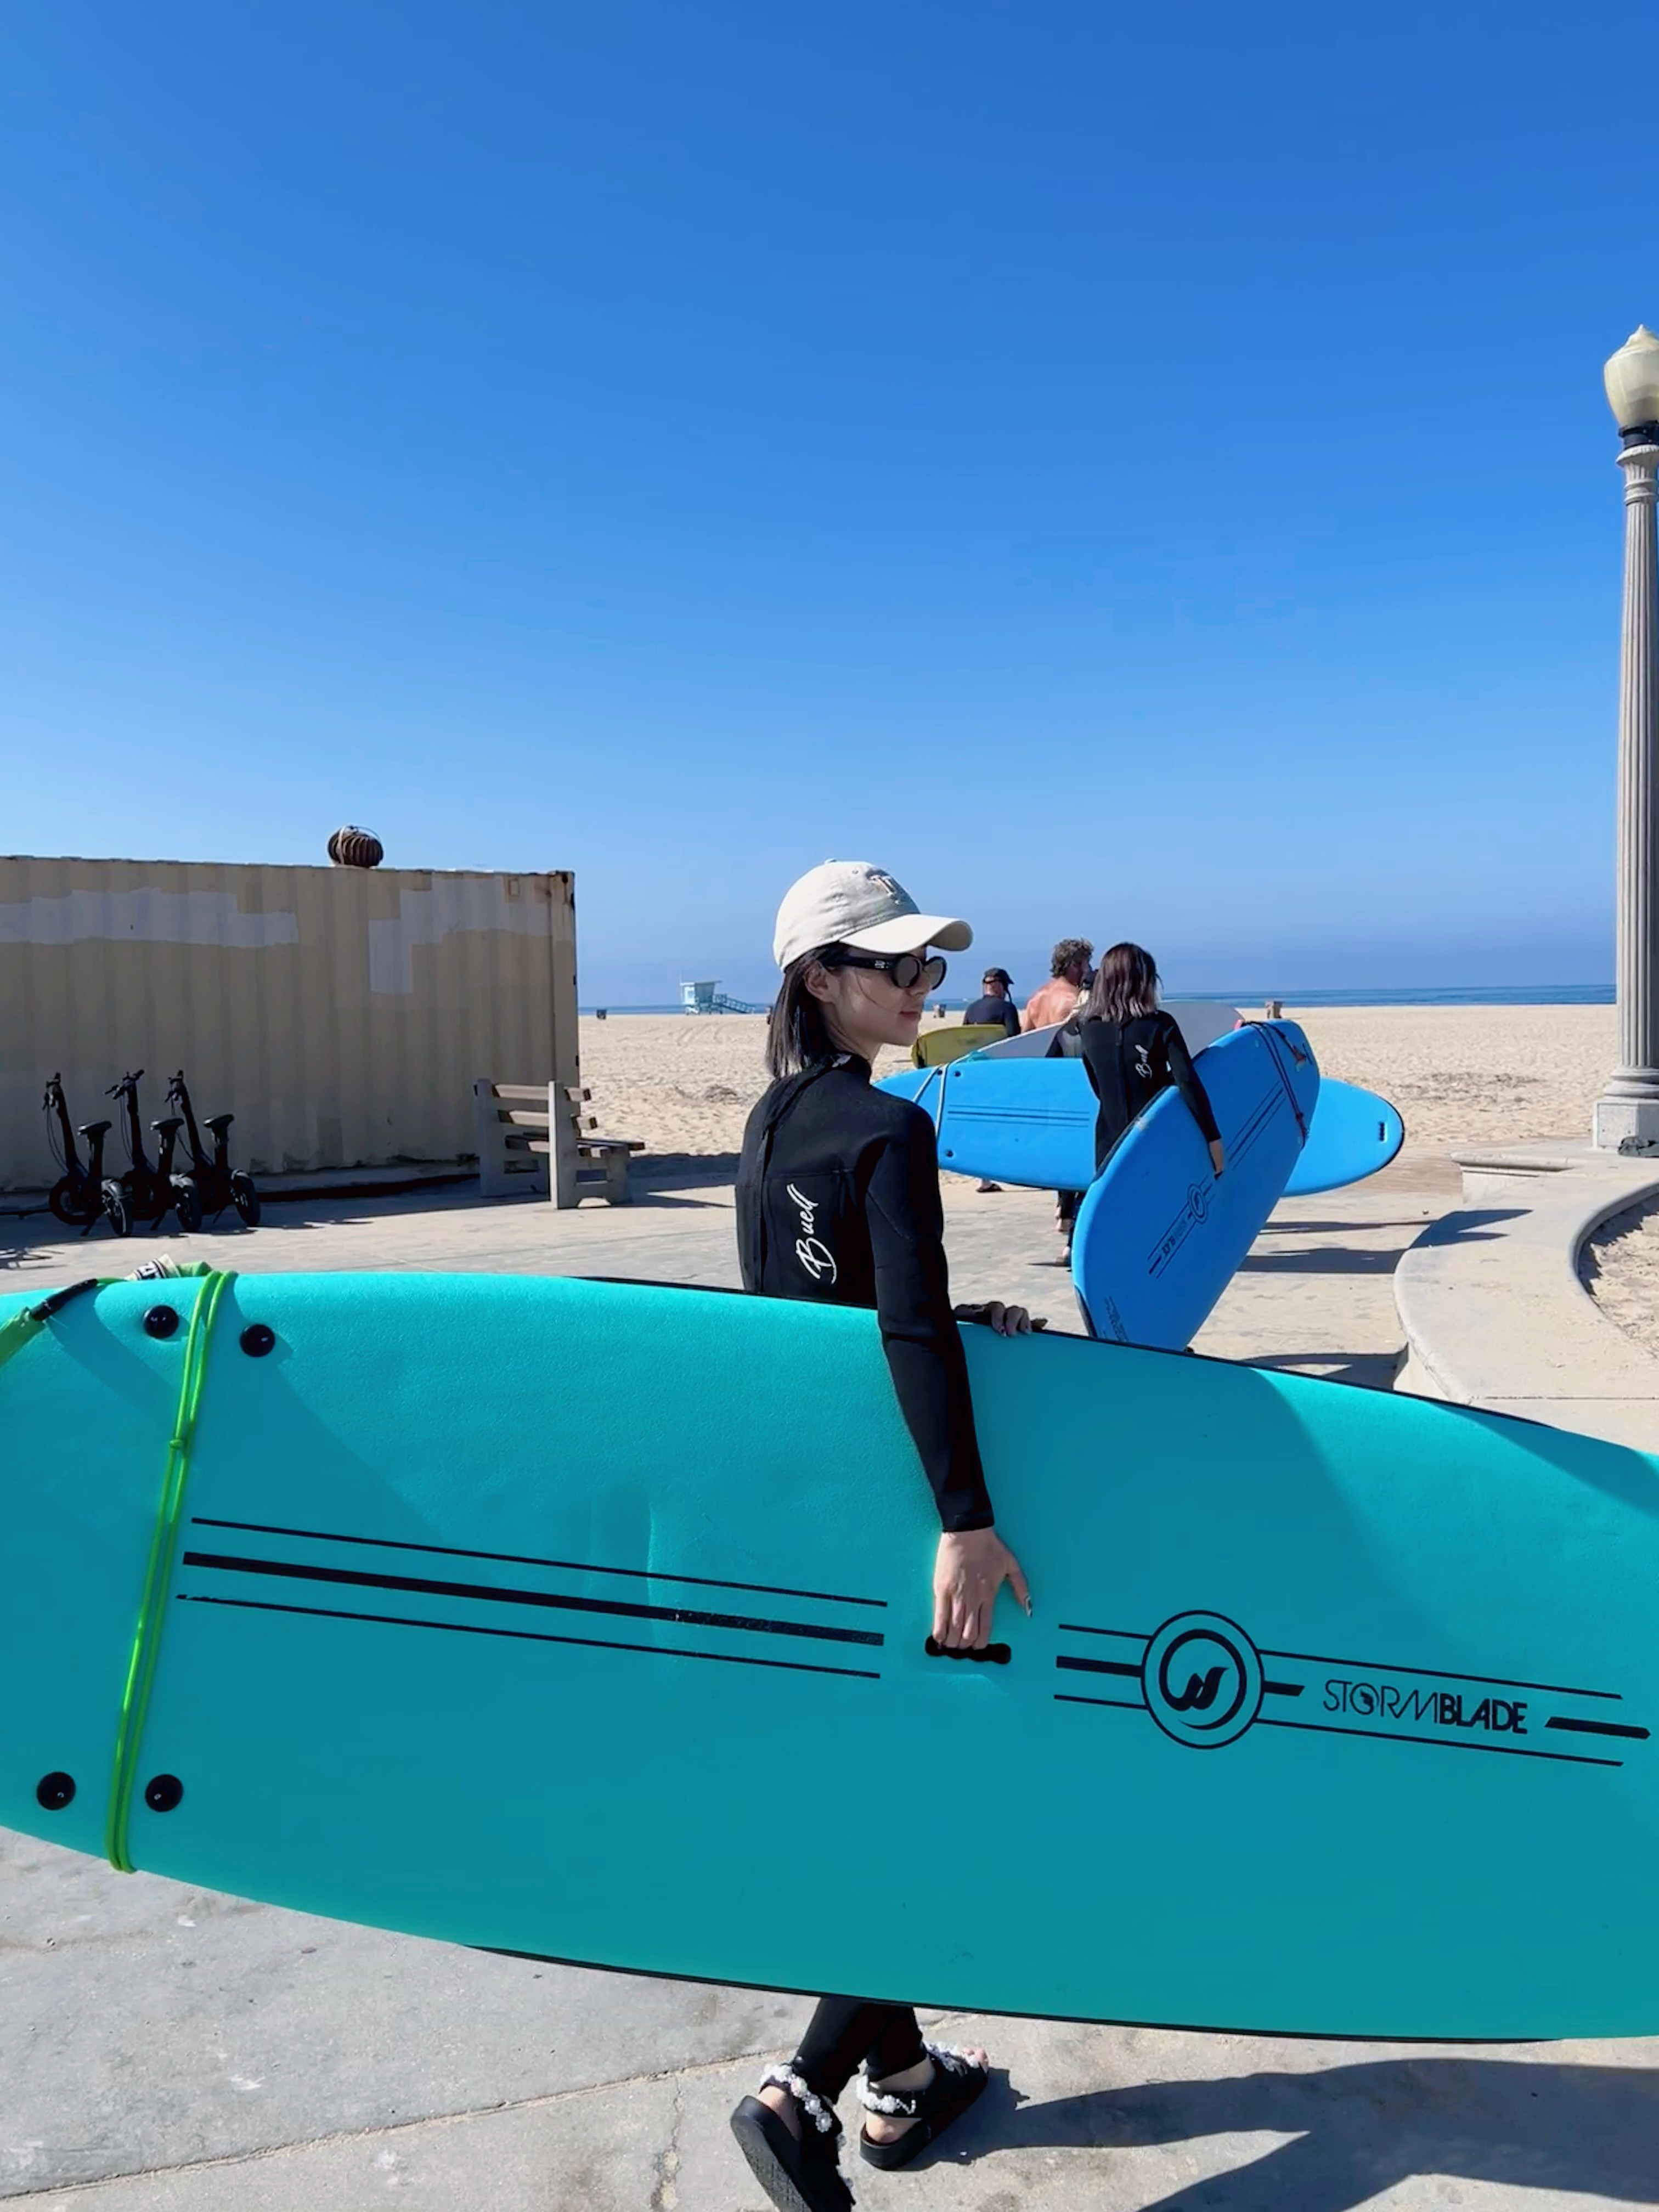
(171,2050)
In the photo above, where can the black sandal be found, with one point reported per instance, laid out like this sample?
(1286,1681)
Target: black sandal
(958,2082)
(799,2176)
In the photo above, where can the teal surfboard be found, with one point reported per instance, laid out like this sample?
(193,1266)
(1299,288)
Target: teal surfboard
(589,1620)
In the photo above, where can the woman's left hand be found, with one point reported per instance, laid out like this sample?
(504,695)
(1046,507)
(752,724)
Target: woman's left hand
(1007,1320)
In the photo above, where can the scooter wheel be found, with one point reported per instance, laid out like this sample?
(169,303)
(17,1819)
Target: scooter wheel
(244,1198)
(188,1205)
(73,1203)
(118,1212)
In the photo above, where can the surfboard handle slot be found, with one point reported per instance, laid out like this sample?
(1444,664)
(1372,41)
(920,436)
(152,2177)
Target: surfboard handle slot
(991,1655)
(59,1299)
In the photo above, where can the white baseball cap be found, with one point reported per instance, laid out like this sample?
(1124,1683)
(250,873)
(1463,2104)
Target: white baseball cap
(850,902)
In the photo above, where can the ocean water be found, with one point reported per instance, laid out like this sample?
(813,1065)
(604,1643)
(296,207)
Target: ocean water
(1466,994)
(1469,995)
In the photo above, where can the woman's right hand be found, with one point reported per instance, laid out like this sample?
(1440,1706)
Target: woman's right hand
(1217,1155)
(968,1572)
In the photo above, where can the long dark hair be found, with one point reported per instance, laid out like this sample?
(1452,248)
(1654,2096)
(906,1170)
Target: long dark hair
(796,1032)
(1126,984)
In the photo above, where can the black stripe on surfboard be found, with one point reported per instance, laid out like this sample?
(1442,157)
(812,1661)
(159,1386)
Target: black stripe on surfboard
(618,1608)
(1371,1666)
(1596,1728)
(528,1560)
(1443,1673)
(1441,1743)
(1122,1666)
(1370,1735)
(531,1636)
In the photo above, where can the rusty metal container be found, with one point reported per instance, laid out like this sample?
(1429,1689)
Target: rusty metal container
(342,1014)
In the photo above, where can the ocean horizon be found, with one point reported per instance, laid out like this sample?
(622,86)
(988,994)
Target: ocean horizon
(1461,994)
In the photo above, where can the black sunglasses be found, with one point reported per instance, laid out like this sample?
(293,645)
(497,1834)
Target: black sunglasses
(904,970)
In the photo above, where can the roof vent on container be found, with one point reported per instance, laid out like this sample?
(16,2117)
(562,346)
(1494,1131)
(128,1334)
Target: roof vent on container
(352,847)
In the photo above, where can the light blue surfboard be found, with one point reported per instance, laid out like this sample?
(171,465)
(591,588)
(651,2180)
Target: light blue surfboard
(1032,1121)
(500,1611)
(1354,1132)
(1160,1235)
(1012,1120)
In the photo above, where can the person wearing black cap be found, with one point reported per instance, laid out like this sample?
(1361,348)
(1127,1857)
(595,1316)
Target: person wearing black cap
(997,1004)
(838,1200)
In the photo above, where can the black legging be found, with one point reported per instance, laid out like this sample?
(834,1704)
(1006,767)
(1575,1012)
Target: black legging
(846,2033)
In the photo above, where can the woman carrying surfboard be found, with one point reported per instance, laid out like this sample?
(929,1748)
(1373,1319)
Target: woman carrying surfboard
(838,1200)
(1131,1051)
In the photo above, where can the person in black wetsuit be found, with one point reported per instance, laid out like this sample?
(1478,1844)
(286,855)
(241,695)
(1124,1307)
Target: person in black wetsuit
(838,1201)
(1131,1051)
(997,1004)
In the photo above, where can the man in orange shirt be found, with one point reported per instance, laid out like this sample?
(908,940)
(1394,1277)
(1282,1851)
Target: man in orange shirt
(1060,998)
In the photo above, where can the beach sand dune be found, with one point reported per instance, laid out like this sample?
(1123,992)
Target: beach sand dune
(1461,1075)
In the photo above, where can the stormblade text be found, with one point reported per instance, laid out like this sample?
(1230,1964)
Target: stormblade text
(1450,1709)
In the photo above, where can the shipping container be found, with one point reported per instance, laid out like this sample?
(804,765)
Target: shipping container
(342,1014)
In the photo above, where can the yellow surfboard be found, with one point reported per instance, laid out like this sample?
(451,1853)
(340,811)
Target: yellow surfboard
(938,1048)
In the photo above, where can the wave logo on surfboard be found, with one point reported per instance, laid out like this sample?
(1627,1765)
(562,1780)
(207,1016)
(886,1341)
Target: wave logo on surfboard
(1202,1680)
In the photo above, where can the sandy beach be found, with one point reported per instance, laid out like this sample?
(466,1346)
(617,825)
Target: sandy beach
(1461,1075)
(1620,1268)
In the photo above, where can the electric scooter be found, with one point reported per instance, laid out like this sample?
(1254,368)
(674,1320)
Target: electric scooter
(182,1194)
(77,1197)
(146,1192)
(218,1184)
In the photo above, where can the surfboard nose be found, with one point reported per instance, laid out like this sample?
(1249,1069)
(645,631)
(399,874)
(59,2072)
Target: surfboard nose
(79,1506)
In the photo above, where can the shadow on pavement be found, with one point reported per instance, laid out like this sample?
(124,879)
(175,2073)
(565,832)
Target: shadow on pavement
(1470,1225)
(1360,2131)
(1328,1259)
(1416,1224)
(1367,1371)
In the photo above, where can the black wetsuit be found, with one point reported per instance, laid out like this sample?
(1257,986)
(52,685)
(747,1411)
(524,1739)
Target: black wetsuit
(1129,1064)
(838,1201)
(987,1010)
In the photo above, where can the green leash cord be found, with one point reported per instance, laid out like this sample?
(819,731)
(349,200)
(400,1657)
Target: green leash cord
(147,1634)
(27,1322)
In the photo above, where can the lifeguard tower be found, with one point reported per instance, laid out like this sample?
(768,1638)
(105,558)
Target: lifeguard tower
(706,997)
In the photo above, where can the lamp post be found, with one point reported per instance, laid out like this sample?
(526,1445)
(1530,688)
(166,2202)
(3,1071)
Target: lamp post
(1627,1112)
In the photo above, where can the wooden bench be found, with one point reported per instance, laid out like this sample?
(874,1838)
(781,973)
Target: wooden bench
(534,1140)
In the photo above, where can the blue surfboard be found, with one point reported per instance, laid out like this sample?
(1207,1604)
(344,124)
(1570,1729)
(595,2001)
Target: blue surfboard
(1014,1121)
(1033,1122)
(474,1605)
(1160,1235)
(1354,1132)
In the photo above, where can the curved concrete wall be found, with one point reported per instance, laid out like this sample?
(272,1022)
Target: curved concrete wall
(1492,1307)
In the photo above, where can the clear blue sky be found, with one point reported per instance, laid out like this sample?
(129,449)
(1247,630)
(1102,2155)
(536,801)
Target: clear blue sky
(1132,470)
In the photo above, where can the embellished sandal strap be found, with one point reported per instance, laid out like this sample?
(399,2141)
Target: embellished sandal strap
(946,2060)
(785,2077)
(952,2060)
(893,2108)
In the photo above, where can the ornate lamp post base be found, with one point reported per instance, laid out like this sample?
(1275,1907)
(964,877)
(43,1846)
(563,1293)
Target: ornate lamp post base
(1627,1112)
